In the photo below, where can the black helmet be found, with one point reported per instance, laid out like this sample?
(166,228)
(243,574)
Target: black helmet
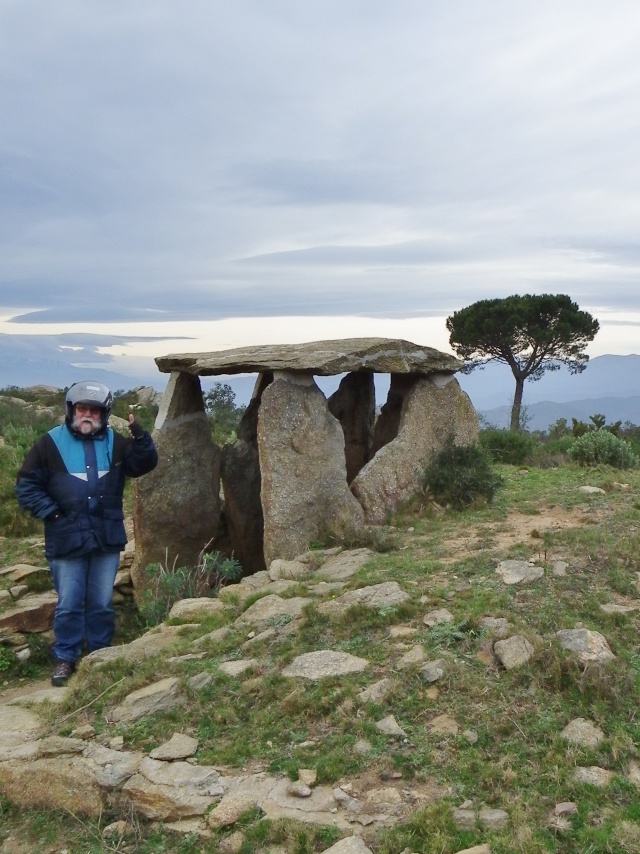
(91,393)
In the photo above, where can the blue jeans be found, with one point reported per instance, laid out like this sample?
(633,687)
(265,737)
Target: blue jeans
(84,586)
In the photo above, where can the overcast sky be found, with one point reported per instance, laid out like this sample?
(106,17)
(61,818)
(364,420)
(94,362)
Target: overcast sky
(234,171)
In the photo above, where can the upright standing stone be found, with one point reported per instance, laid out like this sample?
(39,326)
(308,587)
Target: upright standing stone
(354,405)
(431,413)
(177,505)
(304,478)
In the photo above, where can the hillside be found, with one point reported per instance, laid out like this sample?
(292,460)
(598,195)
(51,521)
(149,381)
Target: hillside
(473,684)
(540,416)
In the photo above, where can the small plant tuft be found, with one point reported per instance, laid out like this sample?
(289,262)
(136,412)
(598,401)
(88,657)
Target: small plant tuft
(167,586)
(460,475)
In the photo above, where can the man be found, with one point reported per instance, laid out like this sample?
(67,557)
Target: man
(73,478)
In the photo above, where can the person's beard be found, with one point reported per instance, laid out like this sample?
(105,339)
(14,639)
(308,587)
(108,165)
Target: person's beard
(86,425)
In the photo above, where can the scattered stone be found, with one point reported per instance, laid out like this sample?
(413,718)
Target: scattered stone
(349,845)
(518,571)
(612,608)
(477,849)
(384,595)
(287,569)
(389,726)
(86,731)
(565,808)
(591,490)
(513,652)
(471,736)
(582,732)
(416,655)
(559,567)
(593,775)
(191,608)
(160,696)
(444,725)
(438,617)
(402,631)
(324,662)
(117,828)
(239,666)
(298,789)
(272,607)
(179,746)
(308,776)
(432,670)
(497,627)
(344,565)
(229,810)
(362,746)
(589,646)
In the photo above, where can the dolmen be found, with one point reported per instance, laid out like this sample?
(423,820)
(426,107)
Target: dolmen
(303,466)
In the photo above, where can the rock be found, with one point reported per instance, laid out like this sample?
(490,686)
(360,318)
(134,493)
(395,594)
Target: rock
(349,845)
(612,608)
(177,505)
(308,776)
(229,810)
(323,358)
(591,490)
(272,607)
(354,405)
(179,746)
(389,726)
(518,571)
(34,613)
(323,663)
(594,776)
(433,409)
(377,692)
(169,791)
(432,670)
(298,789)
(588,645)
(241,483)
(37,579)
(154,641)
(304,483)
(416,655)
(344,565)
(384,595)
(192,608)
(497,627)
(60,783)
(239,666)
(477,849)
(582,732)
(287,569)
(513,652)
(160,696)
(438,618)
(444,725)
(44,695)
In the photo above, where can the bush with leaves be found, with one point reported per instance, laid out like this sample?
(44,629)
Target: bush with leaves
(508,446)
(602,447)
(459,475)
(166,586)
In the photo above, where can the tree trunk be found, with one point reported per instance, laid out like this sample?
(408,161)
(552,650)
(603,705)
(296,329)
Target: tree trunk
(517,404)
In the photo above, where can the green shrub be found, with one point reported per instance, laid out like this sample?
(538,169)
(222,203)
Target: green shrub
(508,446)
(168,586)
(602,447)
(461,474)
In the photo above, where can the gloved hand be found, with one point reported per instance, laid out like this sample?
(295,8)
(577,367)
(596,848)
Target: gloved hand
(135,429)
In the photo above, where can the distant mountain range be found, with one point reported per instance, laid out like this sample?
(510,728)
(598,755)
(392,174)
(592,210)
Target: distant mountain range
(610,385)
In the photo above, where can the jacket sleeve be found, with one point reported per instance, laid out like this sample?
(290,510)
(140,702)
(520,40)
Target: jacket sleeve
(32,481)
(141,456)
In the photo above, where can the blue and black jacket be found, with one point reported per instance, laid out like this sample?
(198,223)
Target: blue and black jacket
(75,484)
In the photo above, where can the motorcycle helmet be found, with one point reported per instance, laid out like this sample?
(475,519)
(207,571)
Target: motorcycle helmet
(92,394)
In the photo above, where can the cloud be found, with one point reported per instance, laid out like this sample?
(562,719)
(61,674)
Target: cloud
(336,158)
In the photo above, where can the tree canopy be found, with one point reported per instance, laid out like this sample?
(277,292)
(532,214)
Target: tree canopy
(531,334)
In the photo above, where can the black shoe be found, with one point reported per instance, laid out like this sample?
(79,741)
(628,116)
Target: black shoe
(61,672)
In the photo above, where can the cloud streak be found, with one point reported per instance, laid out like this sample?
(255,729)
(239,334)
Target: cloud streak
(400,160)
